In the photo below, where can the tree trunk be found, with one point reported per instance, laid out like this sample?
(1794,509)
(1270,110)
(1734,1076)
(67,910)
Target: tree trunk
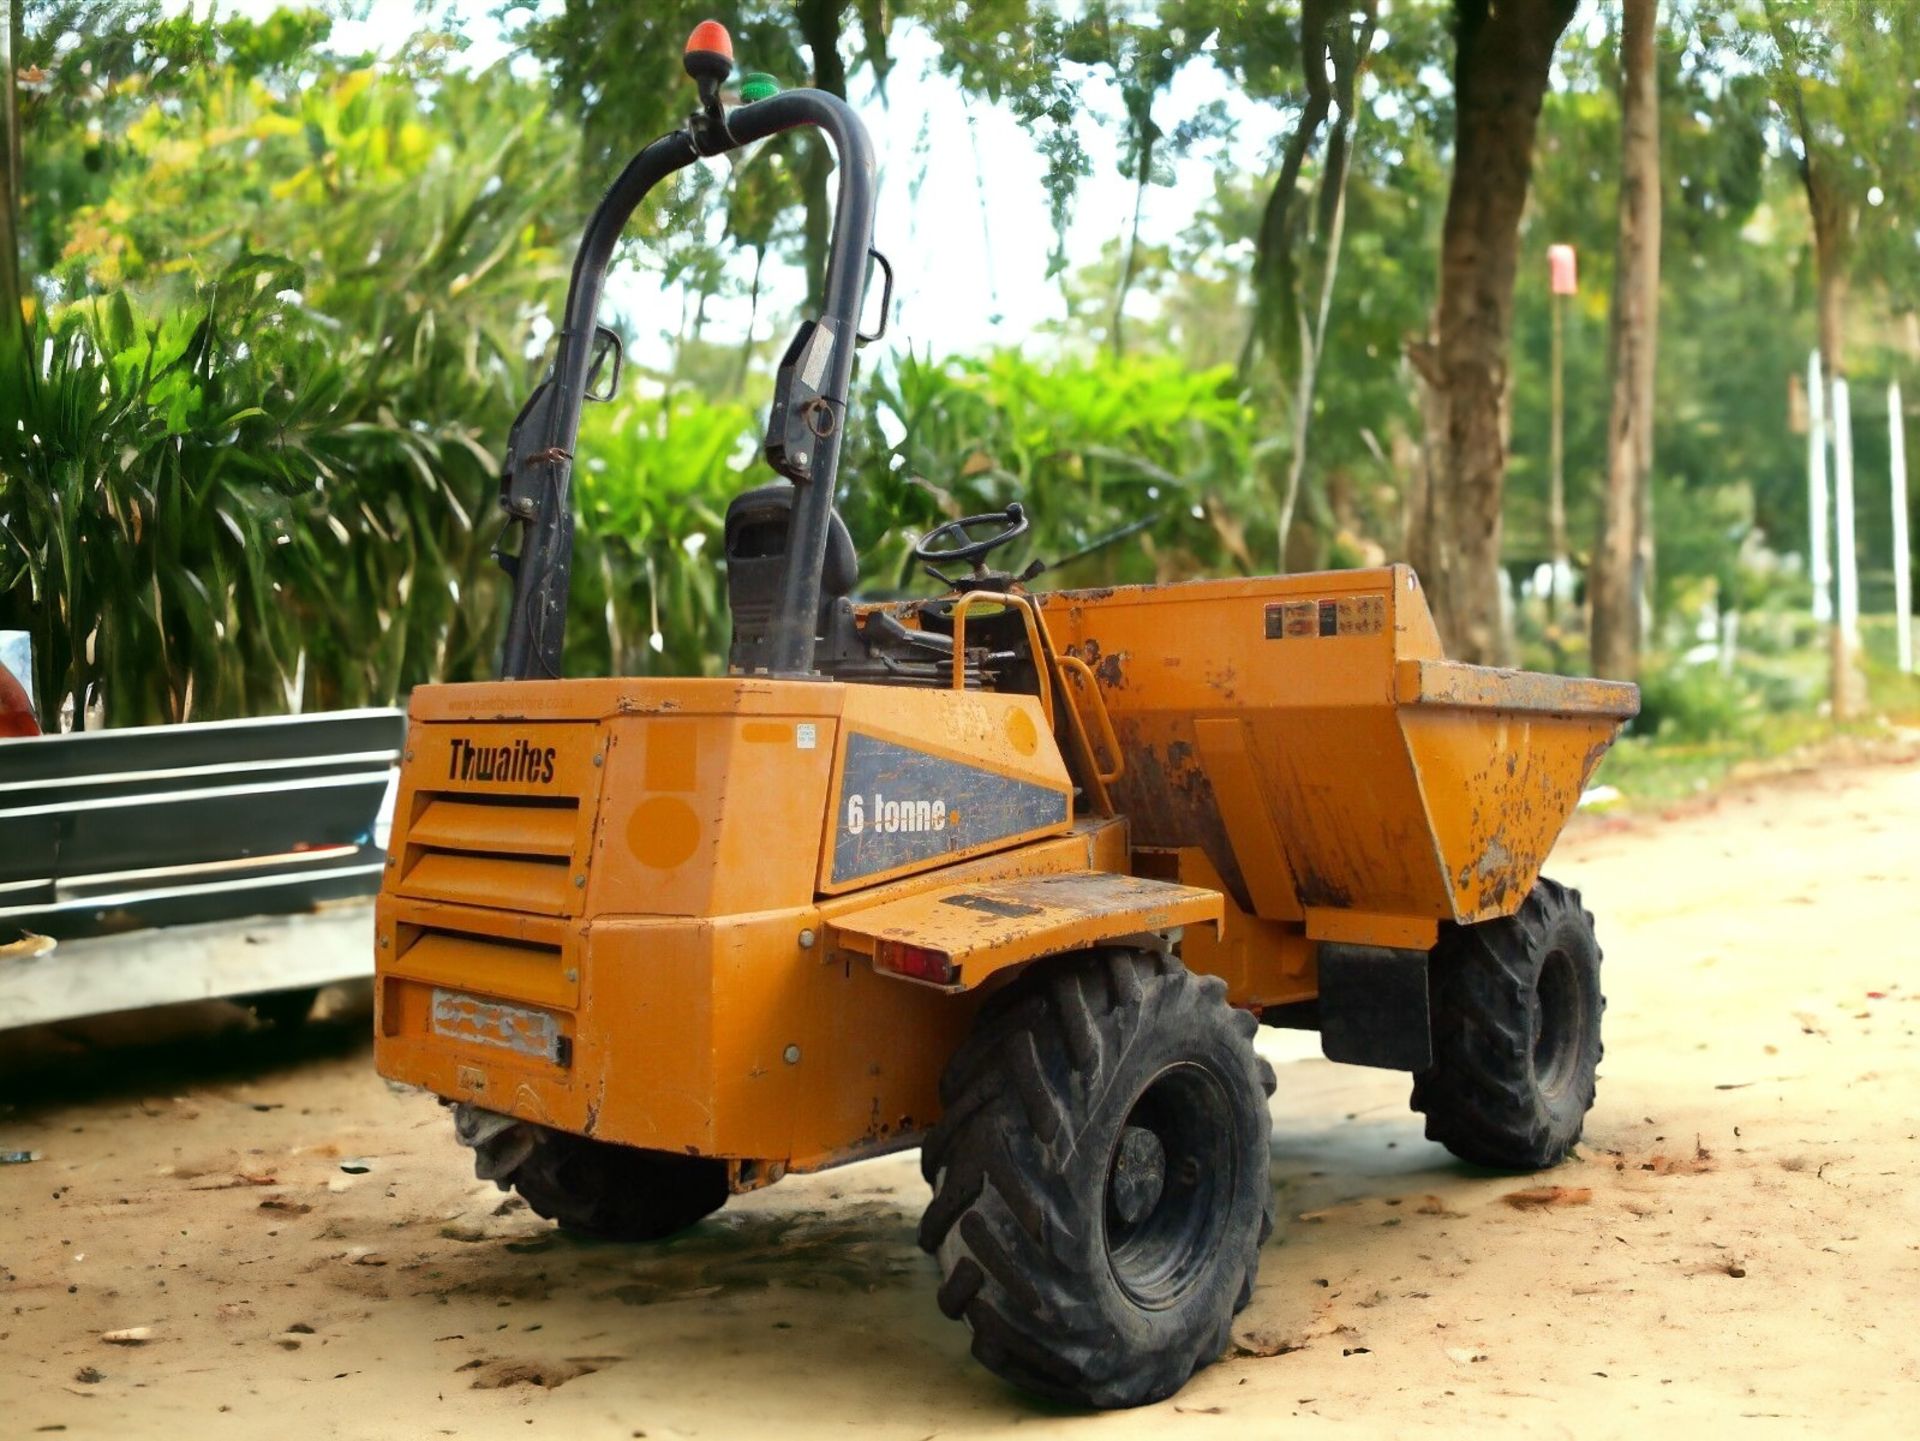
(1500,77)
(11,317)
(1130,266)
(820,28)
(1333,51)
(1313,334)
(1613,589)
(1832,241)
(1830,254)
(1273,283)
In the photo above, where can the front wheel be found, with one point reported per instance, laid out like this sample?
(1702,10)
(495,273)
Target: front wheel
(1516,1034)
(592,1188)
(1100,1177)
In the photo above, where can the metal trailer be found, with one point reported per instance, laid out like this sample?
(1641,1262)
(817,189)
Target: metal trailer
(159,864)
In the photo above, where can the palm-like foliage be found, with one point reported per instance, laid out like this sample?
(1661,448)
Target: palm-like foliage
(250,461)
(279,493)
(1131,468)
(651,495)
(146,502)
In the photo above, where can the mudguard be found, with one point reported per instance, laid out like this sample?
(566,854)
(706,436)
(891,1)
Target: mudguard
(958,937)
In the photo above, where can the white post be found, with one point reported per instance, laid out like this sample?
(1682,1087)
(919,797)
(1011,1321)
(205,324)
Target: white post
(1847,570)
(1902,554)
(1818,571)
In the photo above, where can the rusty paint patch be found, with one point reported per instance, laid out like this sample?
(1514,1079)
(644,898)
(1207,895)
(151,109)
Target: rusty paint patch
(990,907)
(1169,802)
(1317,891)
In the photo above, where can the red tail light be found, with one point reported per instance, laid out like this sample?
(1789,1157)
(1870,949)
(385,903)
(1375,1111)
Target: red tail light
(918,963)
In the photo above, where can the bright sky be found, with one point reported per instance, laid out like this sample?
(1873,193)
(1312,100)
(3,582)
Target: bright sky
(971,257)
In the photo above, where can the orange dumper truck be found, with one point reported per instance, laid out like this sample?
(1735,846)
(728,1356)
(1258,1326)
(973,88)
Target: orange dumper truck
(1010,876)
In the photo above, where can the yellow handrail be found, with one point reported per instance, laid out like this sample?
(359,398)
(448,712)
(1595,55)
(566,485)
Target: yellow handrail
(1025,607)
(1072,664)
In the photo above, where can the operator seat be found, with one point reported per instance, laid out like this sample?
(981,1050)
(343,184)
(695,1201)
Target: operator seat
(756,549)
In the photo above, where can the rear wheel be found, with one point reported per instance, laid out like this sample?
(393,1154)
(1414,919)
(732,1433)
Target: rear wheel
(1516,1034)
(283,1010)
(1100,1177)
(592,1188)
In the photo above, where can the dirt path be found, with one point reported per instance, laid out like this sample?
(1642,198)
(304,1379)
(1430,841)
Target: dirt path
(1749,1256)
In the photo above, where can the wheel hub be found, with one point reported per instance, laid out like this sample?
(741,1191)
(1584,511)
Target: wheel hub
(1139,1175)
(1171,1163)
(1556,1013)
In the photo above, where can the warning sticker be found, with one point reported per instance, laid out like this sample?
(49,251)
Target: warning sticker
(1346,615)
(1290,619)
(1362,615)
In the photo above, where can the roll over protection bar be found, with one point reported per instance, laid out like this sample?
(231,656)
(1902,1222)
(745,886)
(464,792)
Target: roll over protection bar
(810,402)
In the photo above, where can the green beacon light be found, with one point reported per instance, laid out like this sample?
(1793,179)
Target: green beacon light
(757,85)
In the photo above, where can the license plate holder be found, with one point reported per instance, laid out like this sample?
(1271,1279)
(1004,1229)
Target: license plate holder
(522,1030)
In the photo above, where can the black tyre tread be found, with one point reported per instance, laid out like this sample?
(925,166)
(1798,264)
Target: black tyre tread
(1012,1094)
(608,1192)
(1479,1096)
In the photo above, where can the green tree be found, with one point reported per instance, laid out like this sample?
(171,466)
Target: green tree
(1614,598)
(1842,80)
(1502,55)
(615,66)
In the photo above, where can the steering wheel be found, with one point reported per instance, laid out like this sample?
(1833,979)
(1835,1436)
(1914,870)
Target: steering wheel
(1012,522)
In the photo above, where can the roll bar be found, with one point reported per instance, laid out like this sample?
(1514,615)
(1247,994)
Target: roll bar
(810,400)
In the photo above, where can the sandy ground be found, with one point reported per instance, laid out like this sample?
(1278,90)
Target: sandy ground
(1747,1261)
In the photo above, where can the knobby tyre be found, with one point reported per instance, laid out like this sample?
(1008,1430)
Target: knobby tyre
(1100,1177)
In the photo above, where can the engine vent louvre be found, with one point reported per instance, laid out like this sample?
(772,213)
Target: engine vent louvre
(507,852)
(516,968)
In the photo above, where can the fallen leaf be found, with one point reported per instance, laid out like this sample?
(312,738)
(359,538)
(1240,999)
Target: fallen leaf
(1539,1197)
(240,1179)
(1328,1213)
(1254,1344)
(1434,1206)
(547,1374)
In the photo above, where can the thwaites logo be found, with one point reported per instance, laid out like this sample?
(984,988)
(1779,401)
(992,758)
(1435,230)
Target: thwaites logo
(892,817)
(518,763)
